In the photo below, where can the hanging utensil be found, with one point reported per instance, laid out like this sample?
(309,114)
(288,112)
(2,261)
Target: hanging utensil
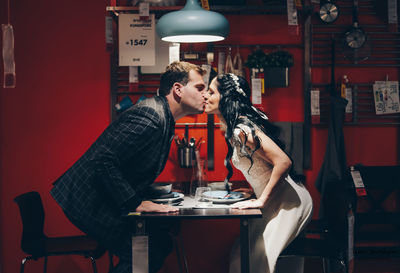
(210,141)
(186,138)
(328,12)
(228,63)
(355,37)
(238,64)
(356,45)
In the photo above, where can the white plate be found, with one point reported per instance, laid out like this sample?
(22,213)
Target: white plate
(217,197)
(177,196)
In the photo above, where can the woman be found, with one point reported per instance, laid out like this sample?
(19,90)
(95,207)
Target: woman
(254,149)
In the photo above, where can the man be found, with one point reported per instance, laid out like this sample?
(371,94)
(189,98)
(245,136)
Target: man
(110,177)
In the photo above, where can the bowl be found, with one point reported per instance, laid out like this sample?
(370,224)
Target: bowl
(161,188)
(218,186)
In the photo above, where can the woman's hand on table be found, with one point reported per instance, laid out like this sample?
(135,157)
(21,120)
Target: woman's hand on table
(248,204)
(148,206)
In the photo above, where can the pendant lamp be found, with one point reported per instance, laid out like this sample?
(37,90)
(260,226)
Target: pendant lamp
(192,24)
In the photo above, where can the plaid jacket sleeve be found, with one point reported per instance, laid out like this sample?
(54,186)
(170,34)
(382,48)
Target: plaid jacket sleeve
(133,135)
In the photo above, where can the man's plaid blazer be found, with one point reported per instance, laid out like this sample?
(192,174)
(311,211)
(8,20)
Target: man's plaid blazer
(111,174)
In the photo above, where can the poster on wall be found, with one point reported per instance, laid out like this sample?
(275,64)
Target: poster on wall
(162,58)
(136,40)
(386,97)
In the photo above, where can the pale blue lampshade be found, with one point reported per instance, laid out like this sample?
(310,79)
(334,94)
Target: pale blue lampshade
(192,24)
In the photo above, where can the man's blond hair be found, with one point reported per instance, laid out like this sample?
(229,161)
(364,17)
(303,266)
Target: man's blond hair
(177,72)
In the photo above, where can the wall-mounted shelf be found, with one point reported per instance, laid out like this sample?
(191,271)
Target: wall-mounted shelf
(363,107)
(224,9)
(382,48)
(116,10)
(382,51)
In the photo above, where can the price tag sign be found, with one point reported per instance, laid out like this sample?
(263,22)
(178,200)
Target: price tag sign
(140,254)
(315,107)
(136,40)
(256,91)
(392,11)
(358,183)
(174,52)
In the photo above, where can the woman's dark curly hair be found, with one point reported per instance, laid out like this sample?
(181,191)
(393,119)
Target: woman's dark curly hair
(236,108)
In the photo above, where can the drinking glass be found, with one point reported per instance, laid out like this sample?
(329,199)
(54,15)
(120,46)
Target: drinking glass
(199,175)
(200,200)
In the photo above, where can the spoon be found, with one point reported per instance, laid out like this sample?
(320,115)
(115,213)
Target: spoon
(192,142)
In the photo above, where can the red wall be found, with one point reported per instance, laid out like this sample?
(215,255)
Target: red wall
(61,104)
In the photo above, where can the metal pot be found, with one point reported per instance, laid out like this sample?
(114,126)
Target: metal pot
(186,156)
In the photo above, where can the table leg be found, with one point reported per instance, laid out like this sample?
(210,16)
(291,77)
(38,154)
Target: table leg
(244,246)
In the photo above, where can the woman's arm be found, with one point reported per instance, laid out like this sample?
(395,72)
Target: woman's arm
(274,155)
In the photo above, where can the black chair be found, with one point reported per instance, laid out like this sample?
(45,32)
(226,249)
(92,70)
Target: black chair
(37,245)
(377,225)
(326,238)
(316,242)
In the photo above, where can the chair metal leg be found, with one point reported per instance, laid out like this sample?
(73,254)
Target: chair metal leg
(45,264)
(111,264)
(345,267)
(180,253)
(24,260)
(325,265)
(183,254)
(93,261)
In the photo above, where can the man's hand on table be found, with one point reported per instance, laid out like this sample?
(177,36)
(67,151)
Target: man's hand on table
(148,206)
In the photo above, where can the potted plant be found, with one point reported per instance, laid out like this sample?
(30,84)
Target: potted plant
(256,60)
(276,68)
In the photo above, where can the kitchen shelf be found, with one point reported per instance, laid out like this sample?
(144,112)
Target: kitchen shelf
(384,46)
(120,8)
(384,53)
(363,107)
(225,9)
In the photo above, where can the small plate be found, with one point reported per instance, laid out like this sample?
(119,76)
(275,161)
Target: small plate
(177,196)
(219,197)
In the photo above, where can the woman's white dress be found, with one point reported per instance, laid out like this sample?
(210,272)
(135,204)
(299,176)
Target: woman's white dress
(284,216)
